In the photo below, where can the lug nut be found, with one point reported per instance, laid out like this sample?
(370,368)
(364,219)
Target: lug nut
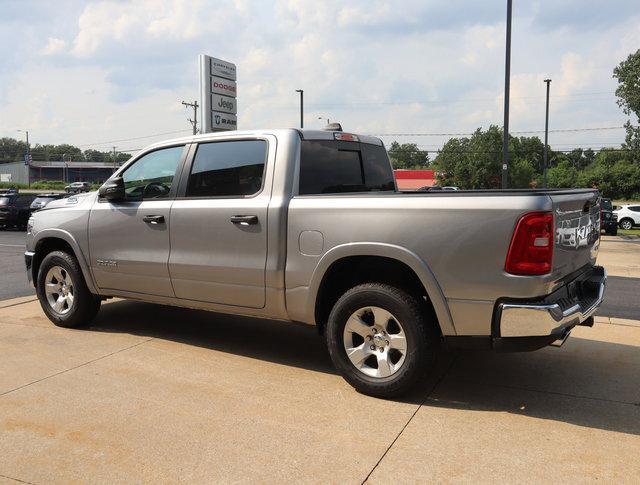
(380,349)
(373,347)
(368,337)
(387,342)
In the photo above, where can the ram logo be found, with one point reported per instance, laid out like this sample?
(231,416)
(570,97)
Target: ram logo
(106,262)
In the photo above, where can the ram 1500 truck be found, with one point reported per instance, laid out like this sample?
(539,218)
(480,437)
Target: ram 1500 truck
(308,226)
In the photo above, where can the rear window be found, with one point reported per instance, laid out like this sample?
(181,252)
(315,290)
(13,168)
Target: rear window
(332,167)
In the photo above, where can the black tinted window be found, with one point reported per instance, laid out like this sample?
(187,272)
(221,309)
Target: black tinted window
(329,167)
(228,168)
(635,208)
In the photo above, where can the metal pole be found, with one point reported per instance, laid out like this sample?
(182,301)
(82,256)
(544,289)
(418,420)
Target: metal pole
(546,135)
(505,128)
(28,161)
(301,91)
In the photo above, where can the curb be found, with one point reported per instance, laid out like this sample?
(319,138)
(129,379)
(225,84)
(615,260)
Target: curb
(617,321)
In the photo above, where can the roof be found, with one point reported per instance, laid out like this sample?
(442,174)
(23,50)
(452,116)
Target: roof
(306,134)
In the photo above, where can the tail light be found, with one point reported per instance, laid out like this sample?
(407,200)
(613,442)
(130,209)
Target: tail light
(531,248)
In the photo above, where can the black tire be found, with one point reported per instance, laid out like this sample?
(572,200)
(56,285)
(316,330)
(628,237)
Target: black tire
(85,305)
(613,232)
(421,334)
(626,224)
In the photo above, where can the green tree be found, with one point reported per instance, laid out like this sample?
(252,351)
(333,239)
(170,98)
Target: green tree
(521,173)
(408,156)
(628,92)
(563,175)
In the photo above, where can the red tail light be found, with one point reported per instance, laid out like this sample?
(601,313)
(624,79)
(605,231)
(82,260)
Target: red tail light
(531,248)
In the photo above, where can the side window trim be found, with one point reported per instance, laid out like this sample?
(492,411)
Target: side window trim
(186,149)
(188,164)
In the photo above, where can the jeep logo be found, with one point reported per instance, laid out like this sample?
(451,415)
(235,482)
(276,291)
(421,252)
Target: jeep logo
(225,104)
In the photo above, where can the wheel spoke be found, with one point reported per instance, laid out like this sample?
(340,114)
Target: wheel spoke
(57,274)
(51,288)
(356,325)
(59,304)
(398,341)
(381,317)
(384,366)
(357,355)
(69,300)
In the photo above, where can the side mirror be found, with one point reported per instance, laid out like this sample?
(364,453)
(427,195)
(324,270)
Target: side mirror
(112,189)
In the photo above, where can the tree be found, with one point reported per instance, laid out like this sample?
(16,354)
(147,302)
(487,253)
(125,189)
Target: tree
(408,156)
(628,92)
(563,175)
(521,173)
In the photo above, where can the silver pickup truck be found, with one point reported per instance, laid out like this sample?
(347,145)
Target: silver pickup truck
(308,226)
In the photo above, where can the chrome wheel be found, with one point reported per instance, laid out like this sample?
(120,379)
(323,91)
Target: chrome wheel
(58,287)
(626,225)
(375,342)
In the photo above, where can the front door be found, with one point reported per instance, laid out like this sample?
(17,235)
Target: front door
(219,225)
(129,239)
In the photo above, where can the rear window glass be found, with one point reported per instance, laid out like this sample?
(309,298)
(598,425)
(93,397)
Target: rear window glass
(331,167)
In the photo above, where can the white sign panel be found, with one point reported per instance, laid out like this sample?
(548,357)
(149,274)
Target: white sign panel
(218,91)
(223,121)
(220,85)
(222,68)
(224,103)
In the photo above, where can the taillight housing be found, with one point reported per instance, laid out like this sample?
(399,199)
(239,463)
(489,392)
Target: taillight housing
(531,248)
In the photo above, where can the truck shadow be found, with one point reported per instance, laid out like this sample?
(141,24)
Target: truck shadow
(589,383)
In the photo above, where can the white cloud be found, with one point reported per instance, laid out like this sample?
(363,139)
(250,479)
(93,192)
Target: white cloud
(54,46)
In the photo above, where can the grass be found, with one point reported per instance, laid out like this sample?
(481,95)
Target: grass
(630,232)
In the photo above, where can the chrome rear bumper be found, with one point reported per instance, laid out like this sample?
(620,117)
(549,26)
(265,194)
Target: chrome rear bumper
(554,318)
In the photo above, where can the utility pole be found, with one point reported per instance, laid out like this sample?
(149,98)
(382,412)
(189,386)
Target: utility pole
(546,135)
(27,158)
(301,91)
(507,77)
(193,121)
(115,155)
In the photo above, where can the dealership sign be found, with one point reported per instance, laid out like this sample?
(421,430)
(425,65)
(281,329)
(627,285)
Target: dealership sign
(218,94)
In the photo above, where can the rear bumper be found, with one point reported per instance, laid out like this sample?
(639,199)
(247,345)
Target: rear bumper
(555,315)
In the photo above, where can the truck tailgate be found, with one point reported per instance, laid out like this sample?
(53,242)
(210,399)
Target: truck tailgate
(577,230)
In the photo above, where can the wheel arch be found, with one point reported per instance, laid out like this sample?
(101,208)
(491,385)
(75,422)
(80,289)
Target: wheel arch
(397,263)
(49,240)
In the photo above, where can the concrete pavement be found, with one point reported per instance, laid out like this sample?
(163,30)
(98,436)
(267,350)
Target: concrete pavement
(160,394)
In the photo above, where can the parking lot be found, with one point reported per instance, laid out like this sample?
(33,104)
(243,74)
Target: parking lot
(160,394)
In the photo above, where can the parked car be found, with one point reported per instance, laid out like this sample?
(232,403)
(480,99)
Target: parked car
(608,219)
(77,187)
(43,199)
(316,232)
(14,209)
(628,216)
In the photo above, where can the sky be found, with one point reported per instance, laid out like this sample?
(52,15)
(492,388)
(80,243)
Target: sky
(99,74)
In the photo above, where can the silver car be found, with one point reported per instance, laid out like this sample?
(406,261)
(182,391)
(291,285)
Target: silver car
(308,226)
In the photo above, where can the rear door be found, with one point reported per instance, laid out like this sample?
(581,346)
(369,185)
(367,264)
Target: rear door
(577,224)
(219,223)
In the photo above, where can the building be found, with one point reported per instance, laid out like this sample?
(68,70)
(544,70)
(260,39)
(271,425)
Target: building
(94,172)
(415,179)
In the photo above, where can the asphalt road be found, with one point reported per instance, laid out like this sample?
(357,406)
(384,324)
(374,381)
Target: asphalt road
(621,300)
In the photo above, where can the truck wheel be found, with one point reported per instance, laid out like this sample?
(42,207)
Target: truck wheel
(380,339)
(63,293)
(626,224)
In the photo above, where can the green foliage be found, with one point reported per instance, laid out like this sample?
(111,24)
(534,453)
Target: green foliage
(408,156)
(563,175)
(12,150)
(521,174)
(628,91)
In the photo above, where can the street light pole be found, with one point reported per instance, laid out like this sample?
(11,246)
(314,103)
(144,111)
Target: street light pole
(546,135)
(505,128)
(27,156)
(301,91)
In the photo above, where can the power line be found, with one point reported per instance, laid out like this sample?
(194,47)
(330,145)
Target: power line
(565,130)
(132,139)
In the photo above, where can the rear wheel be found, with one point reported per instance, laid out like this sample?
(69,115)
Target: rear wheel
(380,339)
(626,224)
(63,292)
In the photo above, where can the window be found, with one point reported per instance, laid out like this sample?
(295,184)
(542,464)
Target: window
(330,167)
(634,208)
(227,168)
(151,176)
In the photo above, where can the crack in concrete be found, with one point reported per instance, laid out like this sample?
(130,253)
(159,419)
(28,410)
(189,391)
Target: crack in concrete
(75,367)
(16,479)
(433,388)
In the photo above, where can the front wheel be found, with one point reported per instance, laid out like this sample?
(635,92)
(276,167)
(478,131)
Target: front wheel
(380,339)
(63,293)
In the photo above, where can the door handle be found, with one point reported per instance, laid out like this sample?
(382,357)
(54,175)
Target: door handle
(154,219)
(244,220)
